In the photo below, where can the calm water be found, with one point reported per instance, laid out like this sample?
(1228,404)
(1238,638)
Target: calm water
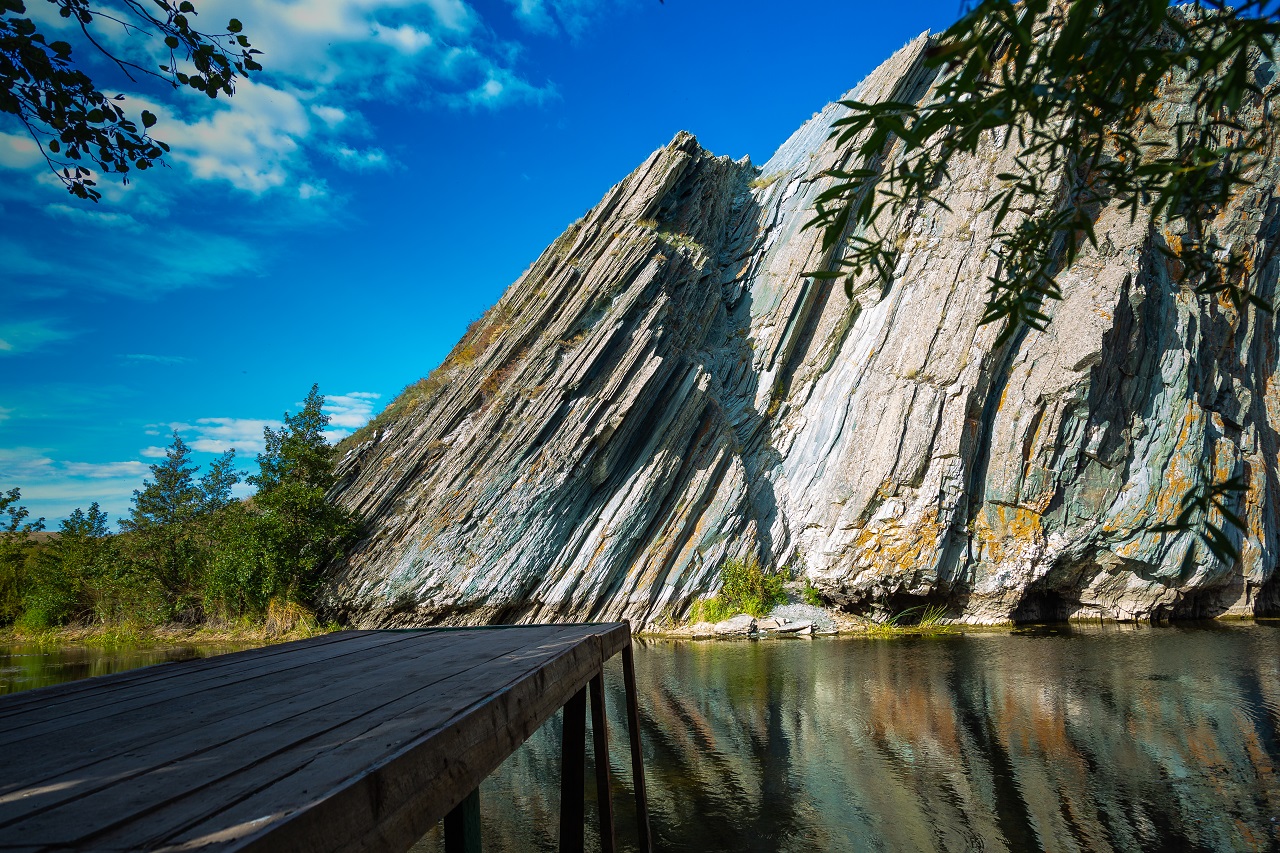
(1119,738)
(24,666)
(1056,739)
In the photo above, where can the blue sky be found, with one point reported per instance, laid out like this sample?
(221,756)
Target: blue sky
(345,216)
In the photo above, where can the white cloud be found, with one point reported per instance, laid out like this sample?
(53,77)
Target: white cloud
(93,216)
(53,488)
(5,414)
(106,470)
(250,141)
(331,116)
(19,152)
(348,412)
(548,17)
(155,359)
(454,14)
(177,257)
(218,435)
(499,88)
(404,38)
(307,191)
(321,59)
(27,335)
(153,452)
(367,160)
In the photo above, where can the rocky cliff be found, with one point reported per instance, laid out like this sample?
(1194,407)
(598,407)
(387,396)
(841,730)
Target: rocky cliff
(664,388)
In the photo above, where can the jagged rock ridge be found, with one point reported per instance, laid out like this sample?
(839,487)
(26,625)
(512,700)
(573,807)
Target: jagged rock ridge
(664,389)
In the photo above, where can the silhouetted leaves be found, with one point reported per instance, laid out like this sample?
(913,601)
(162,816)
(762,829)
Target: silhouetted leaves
(68,116)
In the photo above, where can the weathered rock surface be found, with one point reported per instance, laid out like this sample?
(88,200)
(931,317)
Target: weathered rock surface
(736,626)
(664,389)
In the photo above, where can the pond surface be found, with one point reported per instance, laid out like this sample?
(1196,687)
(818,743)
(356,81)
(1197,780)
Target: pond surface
(1114,738)
(24,666)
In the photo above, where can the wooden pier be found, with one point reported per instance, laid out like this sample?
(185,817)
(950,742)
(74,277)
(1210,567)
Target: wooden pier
(355,741)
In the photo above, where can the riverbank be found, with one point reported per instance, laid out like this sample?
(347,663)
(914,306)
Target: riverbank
(264,633)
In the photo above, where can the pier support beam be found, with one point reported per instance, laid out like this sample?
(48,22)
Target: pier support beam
(637,756)
(462,826)
(600,740)
(573,774)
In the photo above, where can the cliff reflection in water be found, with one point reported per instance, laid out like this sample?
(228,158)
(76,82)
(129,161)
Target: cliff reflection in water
(1062,739)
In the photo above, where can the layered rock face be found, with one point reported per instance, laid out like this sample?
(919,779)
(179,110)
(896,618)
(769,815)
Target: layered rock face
(664,389)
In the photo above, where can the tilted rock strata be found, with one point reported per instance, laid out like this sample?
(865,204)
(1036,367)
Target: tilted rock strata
(664,388)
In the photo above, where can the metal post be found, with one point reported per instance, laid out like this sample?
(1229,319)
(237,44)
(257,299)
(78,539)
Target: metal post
(637,757)
(600,739)
(573,773)
(462,826)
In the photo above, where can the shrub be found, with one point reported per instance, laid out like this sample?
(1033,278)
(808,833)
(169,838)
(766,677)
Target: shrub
(810,594)
(714,609)
(747,588)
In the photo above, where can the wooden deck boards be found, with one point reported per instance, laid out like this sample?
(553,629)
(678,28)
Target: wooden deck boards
(353,741)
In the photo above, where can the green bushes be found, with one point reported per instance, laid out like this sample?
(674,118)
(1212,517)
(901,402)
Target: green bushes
(188,552)
(810,594)
(17,543)
(746,588)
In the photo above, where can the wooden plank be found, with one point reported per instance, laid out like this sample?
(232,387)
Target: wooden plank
(41,722)
(573,743)
(600,743)
(242,745)
(70,759)
(107,752)
(371,769)
(394,802)
(190,674)
(454,756)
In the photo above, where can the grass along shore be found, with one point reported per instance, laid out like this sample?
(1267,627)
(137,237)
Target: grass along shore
(281,624)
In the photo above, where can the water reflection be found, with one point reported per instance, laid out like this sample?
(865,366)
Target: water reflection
(1117,738)
(24,666)
(1064,739)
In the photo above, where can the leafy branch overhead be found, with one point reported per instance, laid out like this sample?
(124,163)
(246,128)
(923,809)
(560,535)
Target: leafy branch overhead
(1074,87)
(1156,110)
(78,126)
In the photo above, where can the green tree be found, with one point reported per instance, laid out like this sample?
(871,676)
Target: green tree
(171,496)
(73,121)
(215,485)
(298,451)
(300,530)
(276,547)
(74,576)
(16,546)
(1073,86)
(160,538)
